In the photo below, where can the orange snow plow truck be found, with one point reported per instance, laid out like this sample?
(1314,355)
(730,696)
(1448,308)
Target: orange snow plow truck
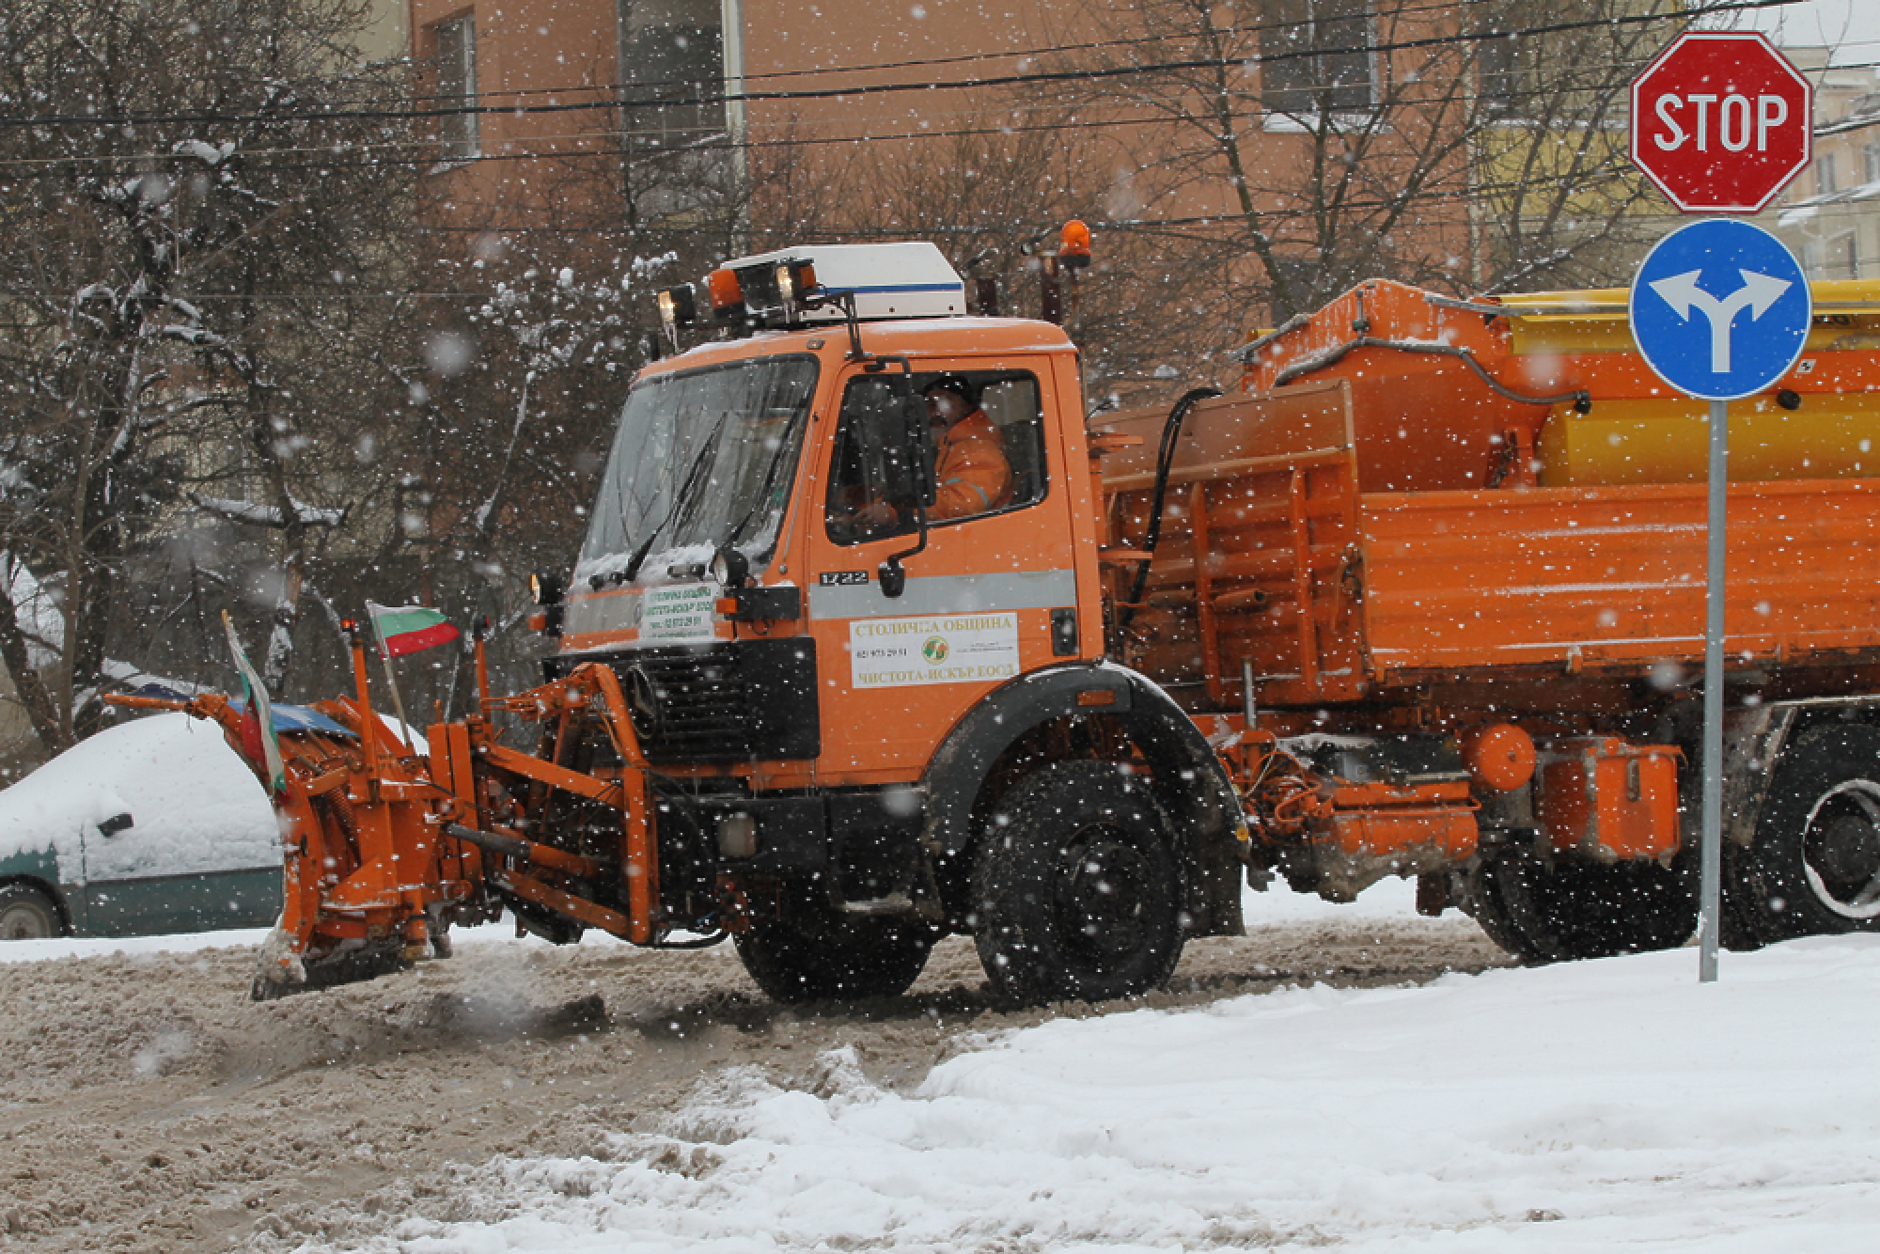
(1423,597)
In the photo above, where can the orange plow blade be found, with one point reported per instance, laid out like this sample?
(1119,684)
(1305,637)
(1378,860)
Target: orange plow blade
(386,844)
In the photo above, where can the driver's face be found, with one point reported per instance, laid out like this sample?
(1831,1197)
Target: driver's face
(944,407)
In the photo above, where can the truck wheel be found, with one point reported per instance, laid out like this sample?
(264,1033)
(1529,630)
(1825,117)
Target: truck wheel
(815,953)
(1556,911)
(1814,865)
(26,914)
(1744,924)
(1076,896)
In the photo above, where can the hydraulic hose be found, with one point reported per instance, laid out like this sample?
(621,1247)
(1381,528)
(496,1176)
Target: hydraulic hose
(1581,399)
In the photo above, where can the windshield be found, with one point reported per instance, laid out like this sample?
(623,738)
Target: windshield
(702,459)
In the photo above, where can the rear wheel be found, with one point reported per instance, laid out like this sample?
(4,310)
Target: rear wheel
(1076,895)
(1814,864)
(27,914)
(1553,910)
(813,952)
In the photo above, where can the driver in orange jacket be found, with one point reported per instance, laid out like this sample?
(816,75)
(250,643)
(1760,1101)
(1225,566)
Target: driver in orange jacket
(972,474)
(970,466)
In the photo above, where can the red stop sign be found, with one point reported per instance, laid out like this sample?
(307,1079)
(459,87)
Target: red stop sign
(1721,122)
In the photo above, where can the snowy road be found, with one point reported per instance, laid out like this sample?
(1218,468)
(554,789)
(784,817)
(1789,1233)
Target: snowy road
(146,1105)
(1320,1083)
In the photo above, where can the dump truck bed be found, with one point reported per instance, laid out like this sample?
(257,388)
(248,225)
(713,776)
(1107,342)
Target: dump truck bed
(1612,578)
(1361,530)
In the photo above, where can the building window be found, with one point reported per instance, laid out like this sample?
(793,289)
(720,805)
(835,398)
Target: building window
(672,71)
(1870,160)
(457,86)
(1825,181)
(1495,73)
(1315,57)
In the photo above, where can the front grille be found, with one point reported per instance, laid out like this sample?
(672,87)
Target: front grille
(730,702)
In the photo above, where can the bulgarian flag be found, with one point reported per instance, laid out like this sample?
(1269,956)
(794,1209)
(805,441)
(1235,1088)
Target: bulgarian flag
(408,628)
(260,745)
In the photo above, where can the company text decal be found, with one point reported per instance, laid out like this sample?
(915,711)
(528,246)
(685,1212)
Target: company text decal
(950,649)
(678,612)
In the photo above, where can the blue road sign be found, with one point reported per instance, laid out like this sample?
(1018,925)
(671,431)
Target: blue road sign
(1720,309)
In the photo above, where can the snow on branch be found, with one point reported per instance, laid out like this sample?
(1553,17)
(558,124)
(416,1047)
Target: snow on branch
(269,515)
(208,154)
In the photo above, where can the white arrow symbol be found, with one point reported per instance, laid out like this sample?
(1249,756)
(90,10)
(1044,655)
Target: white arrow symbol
(1759,291)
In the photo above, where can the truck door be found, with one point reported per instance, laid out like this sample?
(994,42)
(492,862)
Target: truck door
(978,602)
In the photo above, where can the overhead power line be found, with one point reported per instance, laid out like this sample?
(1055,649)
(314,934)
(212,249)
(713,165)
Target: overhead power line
(516,94)
(582,150)
(581,145)
(1398,14)
(1024,78)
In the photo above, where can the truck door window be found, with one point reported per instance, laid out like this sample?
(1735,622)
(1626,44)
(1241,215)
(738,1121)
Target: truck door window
(989,461)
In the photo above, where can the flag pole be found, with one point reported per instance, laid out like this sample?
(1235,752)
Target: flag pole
(265,751)
(385,656)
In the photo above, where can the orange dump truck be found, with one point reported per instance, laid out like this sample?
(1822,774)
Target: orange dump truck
(1423,597)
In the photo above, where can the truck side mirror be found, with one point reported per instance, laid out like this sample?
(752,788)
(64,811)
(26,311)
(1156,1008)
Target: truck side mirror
(918,440)
(914,459)
(907,445)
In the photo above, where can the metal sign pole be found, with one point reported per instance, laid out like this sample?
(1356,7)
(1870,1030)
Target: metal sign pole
(1710,889)
(1697,288)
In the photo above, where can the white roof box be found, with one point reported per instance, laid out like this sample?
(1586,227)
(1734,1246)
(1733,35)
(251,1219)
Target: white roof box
(902,280)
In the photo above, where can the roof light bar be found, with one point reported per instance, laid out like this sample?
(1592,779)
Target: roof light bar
(727,296)
(830,283)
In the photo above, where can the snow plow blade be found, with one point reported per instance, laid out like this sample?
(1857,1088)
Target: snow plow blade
(387,845)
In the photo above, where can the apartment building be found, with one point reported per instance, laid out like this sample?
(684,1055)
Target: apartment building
(521,85)
(1830,216)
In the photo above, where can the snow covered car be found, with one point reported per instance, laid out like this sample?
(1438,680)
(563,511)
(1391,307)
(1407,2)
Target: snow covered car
(152,826)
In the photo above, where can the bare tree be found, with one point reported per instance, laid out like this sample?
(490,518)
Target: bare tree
(994,197)
(202,246)
(1299,146)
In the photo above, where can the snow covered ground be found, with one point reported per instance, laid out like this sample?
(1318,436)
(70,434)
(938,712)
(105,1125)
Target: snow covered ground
(1598,1105)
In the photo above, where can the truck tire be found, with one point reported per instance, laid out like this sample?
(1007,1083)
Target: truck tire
(1813,866)
(1076,894)
(813,952)
(1744,924)
(27,914)
(1558,910)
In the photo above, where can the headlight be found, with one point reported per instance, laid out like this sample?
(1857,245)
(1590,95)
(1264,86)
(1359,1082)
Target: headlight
(730,568)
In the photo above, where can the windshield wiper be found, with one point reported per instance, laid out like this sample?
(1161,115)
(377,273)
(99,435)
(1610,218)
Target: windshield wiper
(685,491)
(763,489)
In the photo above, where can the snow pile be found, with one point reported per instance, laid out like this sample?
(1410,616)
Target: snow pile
(1575,1107)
